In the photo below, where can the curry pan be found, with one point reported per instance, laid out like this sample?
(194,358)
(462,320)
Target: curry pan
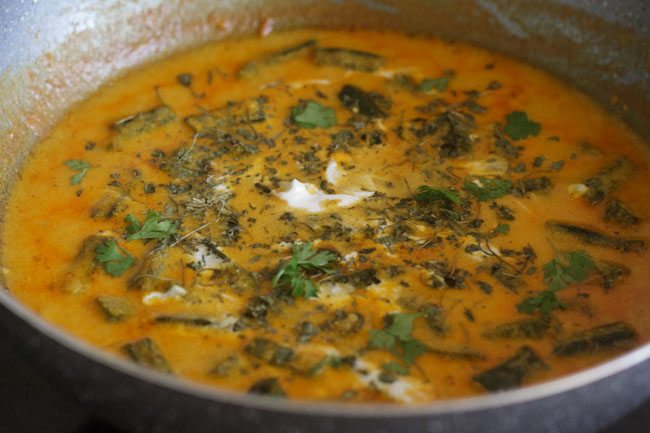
(54,53)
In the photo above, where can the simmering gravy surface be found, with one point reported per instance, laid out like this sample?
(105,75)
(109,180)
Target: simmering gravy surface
(353,216)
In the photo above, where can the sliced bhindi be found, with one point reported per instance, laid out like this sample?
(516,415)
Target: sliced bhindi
(612,273)
(84,265)
(607,180)
(589,236)
(214,123)
(269,386)
(146,352)
(141,123)
(512,372)
(358,101)
(186,320)
(617,213)
(534,328)
(115,308)
(253,67)
(269,351)
(349,59)
(148,276)
(597,339)
(109,205)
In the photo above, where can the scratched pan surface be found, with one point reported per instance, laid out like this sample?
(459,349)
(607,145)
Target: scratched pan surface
(54,53)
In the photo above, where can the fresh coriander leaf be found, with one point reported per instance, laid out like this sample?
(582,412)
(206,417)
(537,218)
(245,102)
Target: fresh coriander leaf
(555,277)
(558,275)
(153,227)
(502,229)
(440,84)
(519,126)
(395,368)
(580,265)
(397,339)
(412,348)
(429,194)
(485,189)
(401,325)
(380,339)
(78,165)
(115,260)
(545,301)
(295,272)
(566,269)
(76,179)
(328,360)
(133,225)
(313,115)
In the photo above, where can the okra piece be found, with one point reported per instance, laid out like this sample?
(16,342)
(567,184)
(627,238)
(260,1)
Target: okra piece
(269,351)
(458,353)
(617,213)
(109,205)
(141,123)
(145,352)
(534,328)
(225,366)
(344,323)
(349,59)
(512,372)
(612,273)
(186,320)
(253,67)
(115,308)
(269,386)
(359,279)
(213,123)
(147,277)
(607,180)
(359,101)
(588,236)
(605,337)
(84,265)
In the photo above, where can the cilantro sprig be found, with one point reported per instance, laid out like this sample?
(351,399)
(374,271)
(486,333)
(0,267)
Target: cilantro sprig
(428,194)
(396,337)
(519,126)
(568,268)
(311,114)
(428,84)
(80,166)
(115,260)
(297,272)
(486,189)
(154,227)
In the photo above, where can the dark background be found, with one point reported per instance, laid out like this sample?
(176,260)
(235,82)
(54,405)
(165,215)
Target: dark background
(29,404)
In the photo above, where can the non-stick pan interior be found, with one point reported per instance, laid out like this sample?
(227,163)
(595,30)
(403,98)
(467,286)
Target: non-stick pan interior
(54,53)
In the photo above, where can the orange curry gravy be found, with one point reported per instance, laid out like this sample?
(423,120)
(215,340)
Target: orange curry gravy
(339,215)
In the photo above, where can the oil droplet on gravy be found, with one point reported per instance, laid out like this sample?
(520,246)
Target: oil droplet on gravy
(351,216)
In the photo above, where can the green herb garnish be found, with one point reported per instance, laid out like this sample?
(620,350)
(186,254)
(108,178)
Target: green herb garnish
(502,229)
(397,339)
(485,189)
(519,126)
(569,268)
(311,114)
(428,84)
(77,165)
(327,360)
(153,227)
(429,194)
(115,260)
(296,272)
